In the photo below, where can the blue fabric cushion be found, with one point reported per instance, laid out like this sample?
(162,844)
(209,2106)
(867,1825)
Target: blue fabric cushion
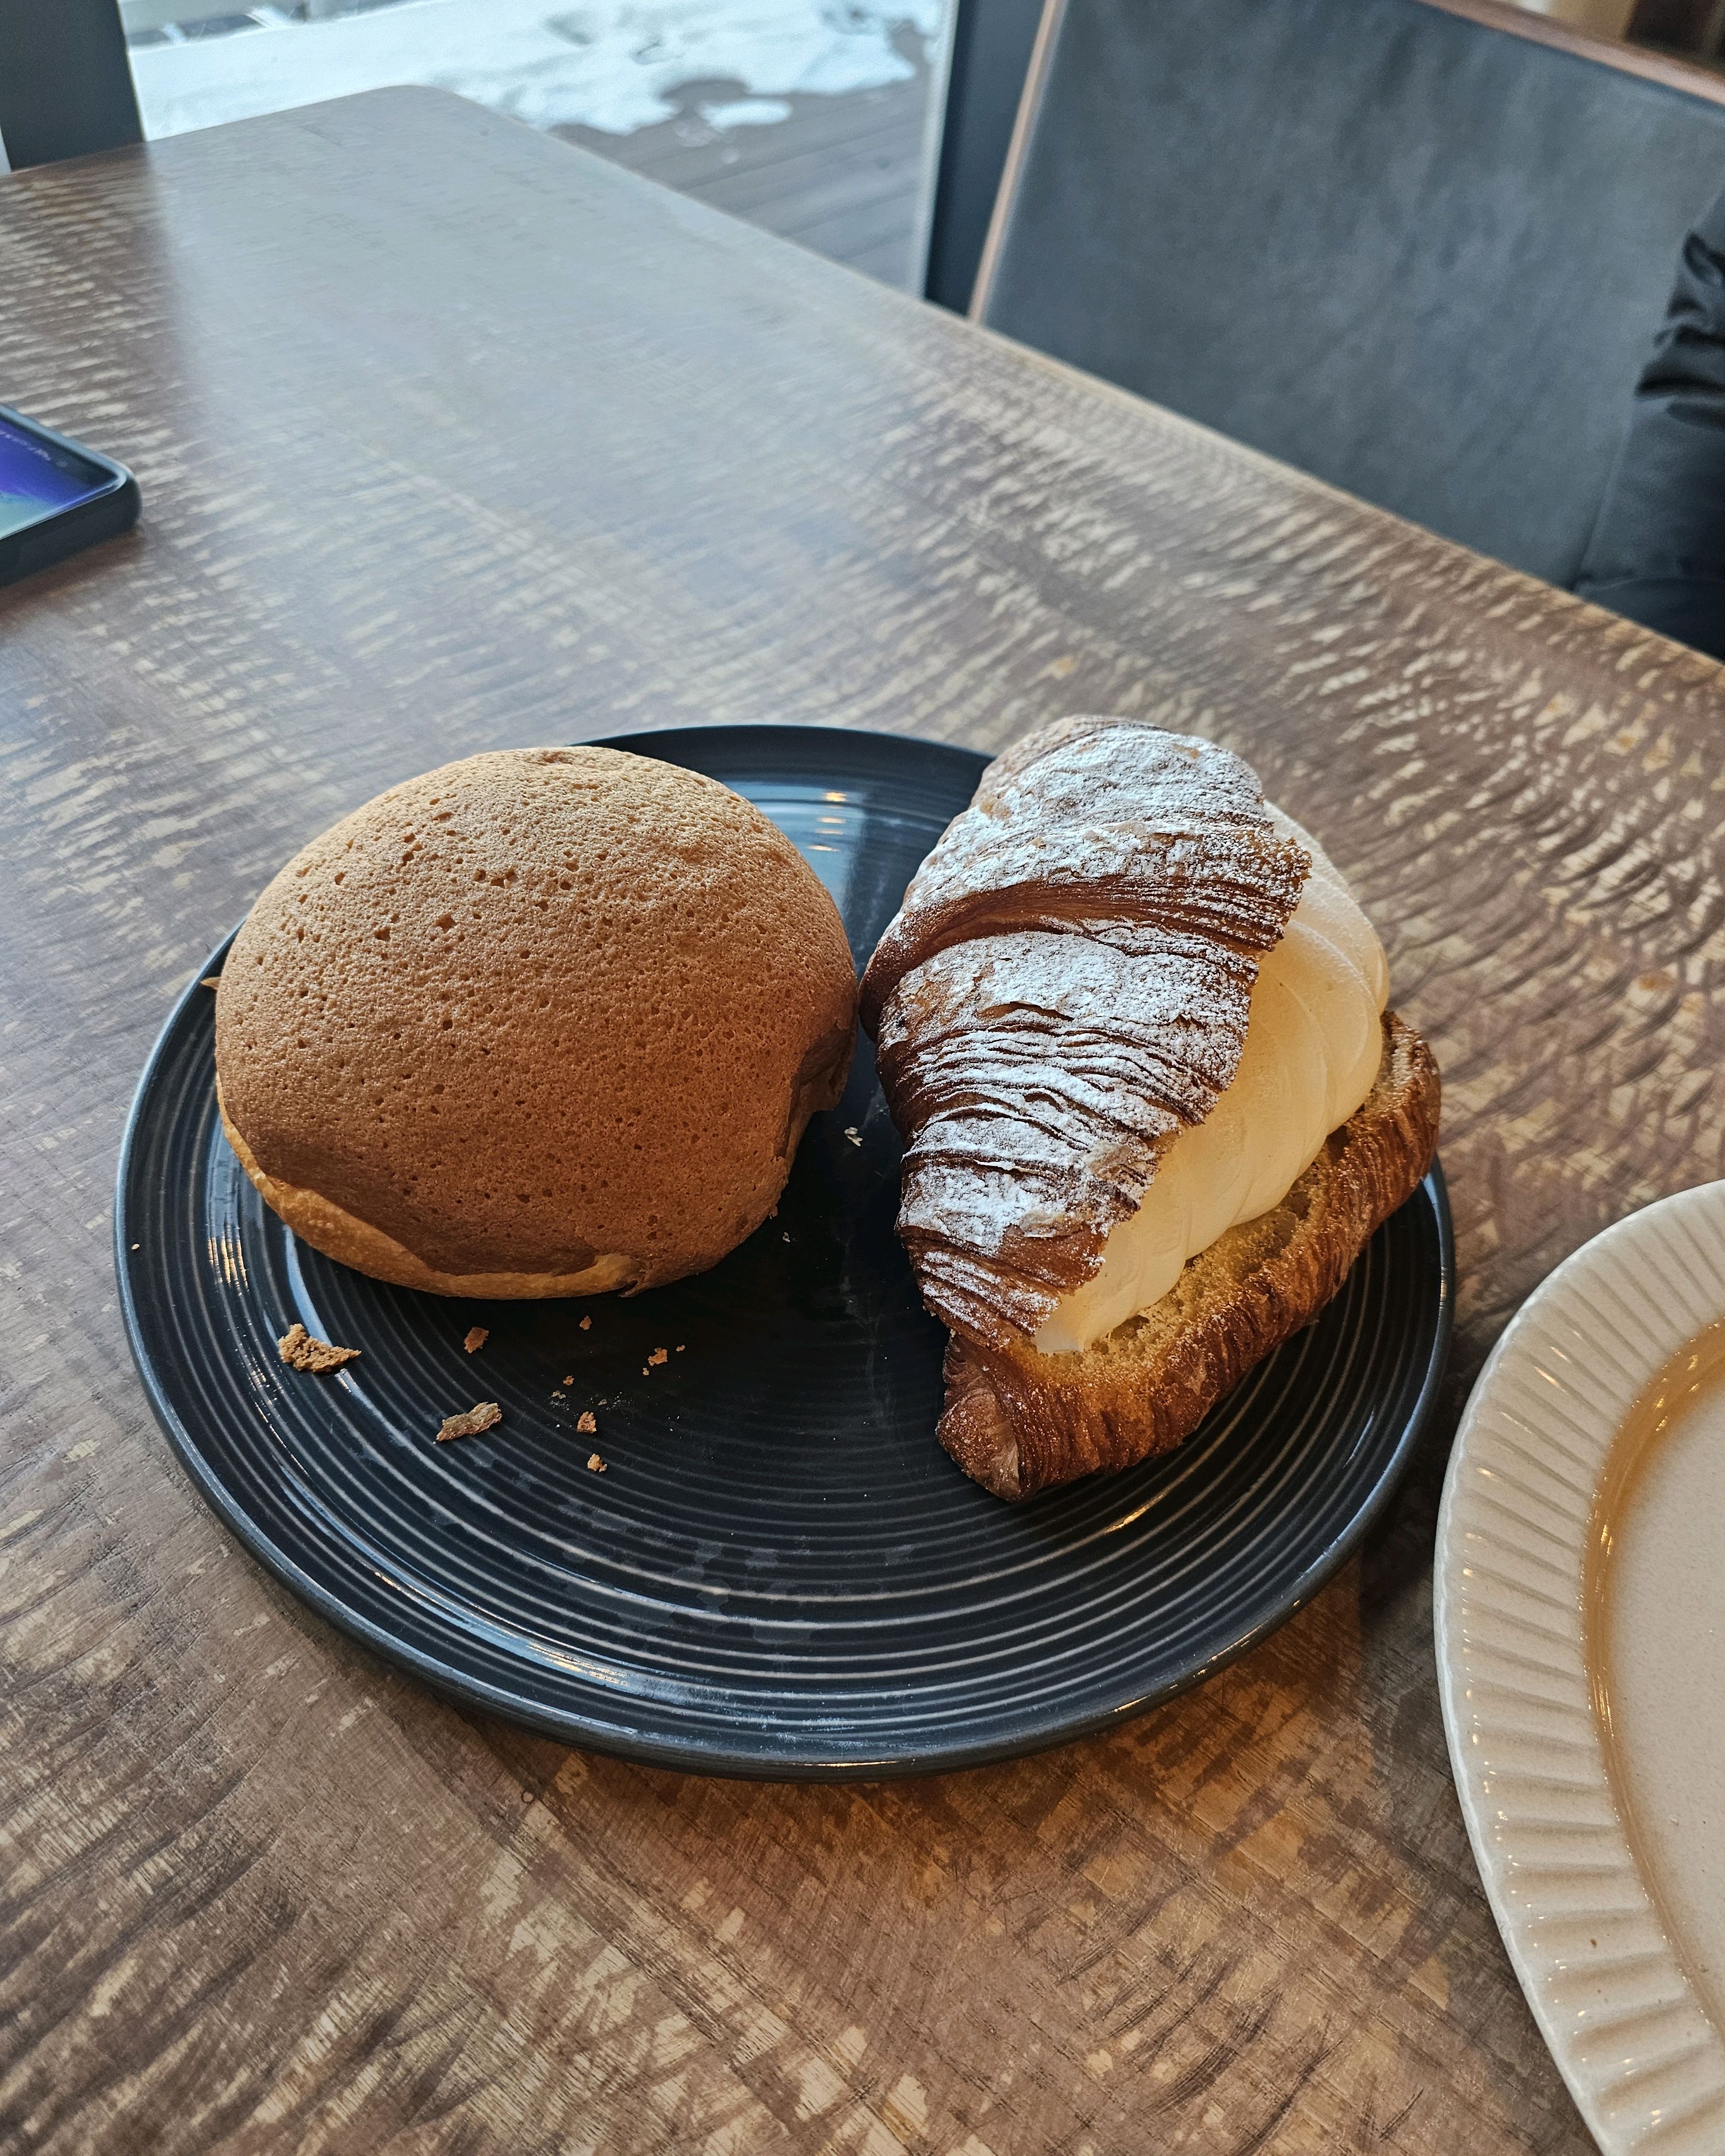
(1418,255)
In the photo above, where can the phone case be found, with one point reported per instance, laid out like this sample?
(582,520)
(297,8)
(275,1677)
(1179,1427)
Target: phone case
(112,511)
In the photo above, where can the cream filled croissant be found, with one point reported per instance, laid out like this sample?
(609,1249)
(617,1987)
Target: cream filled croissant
(1131,1024)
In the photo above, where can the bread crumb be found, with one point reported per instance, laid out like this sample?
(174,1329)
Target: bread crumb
(851,1133)
(585,1424)
(658,1355)
(211,980)
(568,1381)
(477,1336)
(301,1351)
(586,1325)
(681,1345)
(485,1416)
(595,1464)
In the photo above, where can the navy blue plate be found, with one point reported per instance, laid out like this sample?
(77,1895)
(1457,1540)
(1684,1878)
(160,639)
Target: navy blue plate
(780,1573)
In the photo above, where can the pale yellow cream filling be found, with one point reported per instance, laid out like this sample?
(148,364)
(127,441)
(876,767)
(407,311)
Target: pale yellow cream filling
(1313,1043)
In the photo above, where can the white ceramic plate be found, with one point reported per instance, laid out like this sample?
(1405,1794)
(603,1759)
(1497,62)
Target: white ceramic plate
(1580,1621)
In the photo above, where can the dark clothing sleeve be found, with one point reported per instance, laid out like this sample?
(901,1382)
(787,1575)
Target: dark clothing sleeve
(1657,552)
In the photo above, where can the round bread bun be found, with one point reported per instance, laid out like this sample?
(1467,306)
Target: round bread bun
(544,1021)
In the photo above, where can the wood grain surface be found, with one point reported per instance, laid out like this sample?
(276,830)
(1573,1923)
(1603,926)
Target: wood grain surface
(452,437)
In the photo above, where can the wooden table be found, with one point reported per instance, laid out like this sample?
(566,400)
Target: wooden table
(452,437)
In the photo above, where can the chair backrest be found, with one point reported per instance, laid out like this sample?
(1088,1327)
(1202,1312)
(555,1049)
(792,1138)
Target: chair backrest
(1417,249)
(66,81)
(989,43)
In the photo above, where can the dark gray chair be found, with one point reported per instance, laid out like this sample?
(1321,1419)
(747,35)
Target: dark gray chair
(1419,249)
(988,56)
(66,82)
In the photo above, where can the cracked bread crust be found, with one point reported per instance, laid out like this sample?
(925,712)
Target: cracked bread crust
(1019,1422)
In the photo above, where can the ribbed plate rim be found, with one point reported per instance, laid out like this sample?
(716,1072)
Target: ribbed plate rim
(1666,2090)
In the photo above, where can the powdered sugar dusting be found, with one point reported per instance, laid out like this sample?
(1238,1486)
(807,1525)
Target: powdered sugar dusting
(1067,984)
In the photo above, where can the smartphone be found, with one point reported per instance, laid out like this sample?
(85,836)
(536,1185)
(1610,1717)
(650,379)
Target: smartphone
(55,496)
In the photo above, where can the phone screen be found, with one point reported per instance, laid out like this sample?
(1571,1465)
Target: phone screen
(37,477)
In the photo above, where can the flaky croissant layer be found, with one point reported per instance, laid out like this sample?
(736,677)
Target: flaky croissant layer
(1061,1003)
(1066,986)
